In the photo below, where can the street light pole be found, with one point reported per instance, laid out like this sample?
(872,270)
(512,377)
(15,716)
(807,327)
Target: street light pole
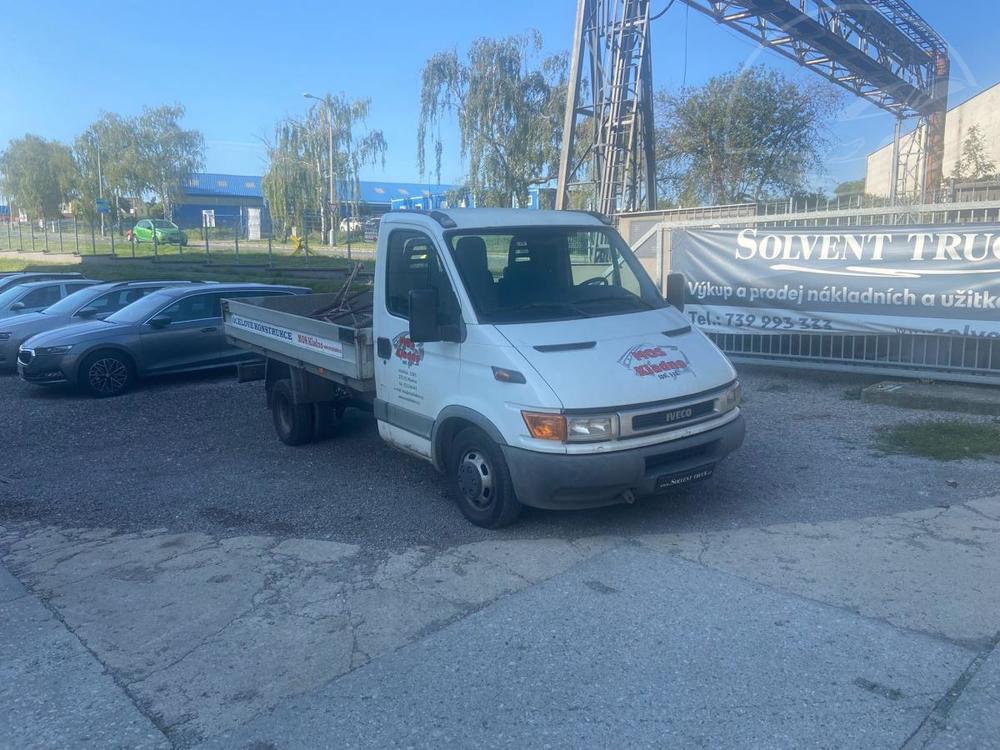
(329,127)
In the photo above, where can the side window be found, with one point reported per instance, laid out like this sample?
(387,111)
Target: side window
(42,297)
(113,301)
(413,263)
(195,307)
(70,288)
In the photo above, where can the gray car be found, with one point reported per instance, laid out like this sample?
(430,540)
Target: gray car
(177,329)
(94,302)
(33,296)
(7,280)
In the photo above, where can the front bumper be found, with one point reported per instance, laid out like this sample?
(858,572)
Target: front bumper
(559,481)
(47,369)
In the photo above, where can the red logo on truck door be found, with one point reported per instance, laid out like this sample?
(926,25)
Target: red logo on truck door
(407,350)
(649,360)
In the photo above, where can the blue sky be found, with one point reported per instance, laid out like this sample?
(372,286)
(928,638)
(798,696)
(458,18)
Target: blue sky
(238,67)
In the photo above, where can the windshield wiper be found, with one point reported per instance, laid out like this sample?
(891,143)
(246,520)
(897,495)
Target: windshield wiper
(617,298)
(556,306)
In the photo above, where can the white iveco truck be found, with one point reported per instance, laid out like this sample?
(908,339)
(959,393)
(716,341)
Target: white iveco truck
(527,354)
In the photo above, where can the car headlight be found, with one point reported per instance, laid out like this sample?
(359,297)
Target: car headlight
(571,429)
(590,429)
(39,350)
(729,399)
(5,335)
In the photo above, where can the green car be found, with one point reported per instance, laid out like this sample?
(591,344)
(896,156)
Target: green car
(167,233)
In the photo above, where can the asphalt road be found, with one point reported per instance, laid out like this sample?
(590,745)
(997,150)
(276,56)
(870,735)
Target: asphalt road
(198,453)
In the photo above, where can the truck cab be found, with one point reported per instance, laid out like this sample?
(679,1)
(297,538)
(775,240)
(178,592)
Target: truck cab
(526,354)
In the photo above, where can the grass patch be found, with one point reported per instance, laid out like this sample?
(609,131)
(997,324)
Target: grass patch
(944,441)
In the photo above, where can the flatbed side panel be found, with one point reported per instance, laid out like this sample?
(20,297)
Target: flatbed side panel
(297,337)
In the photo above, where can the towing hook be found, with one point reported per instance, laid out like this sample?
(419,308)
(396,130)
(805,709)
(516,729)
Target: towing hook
(628,496)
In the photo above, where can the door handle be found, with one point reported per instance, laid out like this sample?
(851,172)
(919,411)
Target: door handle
(209,329)
(383,348)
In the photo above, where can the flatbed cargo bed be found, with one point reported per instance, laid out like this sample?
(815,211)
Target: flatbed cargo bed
(325,334)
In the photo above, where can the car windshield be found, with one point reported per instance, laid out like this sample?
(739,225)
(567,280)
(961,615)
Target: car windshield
(550,273)
(71,302)
(162,224)
(141,309)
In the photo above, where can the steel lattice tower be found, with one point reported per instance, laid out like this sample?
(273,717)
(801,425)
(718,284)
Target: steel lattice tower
(607,147)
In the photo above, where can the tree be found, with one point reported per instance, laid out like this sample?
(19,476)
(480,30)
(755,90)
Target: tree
(850,188)
(297,182)
(741,137)
(168,153)
(38,175)
(509,112)
(975,163)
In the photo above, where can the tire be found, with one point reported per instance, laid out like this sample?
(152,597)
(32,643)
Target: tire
(293,422)
(106,373)
(483,488)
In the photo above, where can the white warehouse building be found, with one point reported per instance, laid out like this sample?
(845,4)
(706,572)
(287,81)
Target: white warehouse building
(982,110)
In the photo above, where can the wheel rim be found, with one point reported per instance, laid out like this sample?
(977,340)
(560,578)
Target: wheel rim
(107,375)
(475,479)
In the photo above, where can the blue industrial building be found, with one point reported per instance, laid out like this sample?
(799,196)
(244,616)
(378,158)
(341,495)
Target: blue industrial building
(232,198)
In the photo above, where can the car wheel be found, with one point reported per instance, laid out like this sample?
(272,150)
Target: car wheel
(105,374)
(484,492)
(293,422)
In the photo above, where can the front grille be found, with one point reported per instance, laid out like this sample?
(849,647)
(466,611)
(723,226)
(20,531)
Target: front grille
(670,417)
(25,357)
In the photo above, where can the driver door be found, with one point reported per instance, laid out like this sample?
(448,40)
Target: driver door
(192,339)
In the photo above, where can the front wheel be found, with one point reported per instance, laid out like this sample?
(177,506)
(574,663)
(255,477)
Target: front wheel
(484,491)
(105,374)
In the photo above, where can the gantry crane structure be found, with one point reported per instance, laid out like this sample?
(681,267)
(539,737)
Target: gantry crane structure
(880,50)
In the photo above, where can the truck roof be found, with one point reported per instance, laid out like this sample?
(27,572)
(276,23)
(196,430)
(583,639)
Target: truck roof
(482,218)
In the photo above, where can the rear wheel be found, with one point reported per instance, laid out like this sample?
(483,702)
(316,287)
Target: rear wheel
(293,422)
(108,373)
(484,491)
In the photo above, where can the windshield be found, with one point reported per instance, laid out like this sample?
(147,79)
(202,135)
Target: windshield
(140,310)
(161,224)
(550,273)
(69,304)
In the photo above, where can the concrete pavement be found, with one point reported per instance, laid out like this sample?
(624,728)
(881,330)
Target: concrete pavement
(877,632)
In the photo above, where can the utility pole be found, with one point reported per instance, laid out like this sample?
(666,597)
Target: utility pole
(329,128)
(100,180)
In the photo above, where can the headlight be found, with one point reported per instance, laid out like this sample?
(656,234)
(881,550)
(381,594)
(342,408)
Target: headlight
(39,350)
(729,399)
(583,429)
(589,429)
(5,335)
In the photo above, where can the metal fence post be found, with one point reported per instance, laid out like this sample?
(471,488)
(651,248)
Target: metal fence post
(112,235)
(93,239)
(204,234)
(59,224)
(131,240)
(156,245)
(32,236)
(45,236)
(10,218)
(20,238)
(236,236)
(270,257)
(76,233)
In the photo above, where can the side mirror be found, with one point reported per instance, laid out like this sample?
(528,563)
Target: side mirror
(676,290)
(160,321)
(17,307)
(423,315)
(86,313)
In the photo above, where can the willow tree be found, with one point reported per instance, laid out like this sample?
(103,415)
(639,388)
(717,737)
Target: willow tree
(509,110)
(297,183)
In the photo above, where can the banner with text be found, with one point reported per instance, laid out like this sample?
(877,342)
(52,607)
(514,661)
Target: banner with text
(930,279)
